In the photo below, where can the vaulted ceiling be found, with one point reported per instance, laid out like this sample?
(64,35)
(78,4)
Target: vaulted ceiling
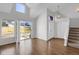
(68,9)
(6,7)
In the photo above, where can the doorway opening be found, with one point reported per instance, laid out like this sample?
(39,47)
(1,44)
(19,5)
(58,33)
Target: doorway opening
(25,29)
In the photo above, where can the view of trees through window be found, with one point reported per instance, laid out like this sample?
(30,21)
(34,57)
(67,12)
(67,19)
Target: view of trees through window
(25,29)
(7,29)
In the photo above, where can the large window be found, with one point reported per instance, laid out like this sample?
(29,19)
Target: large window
(25,29)
(8,29)
(20,8)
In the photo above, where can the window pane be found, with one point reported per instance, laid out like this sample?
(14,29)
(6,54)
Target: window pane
(25,29)
(20,8)
(7,29)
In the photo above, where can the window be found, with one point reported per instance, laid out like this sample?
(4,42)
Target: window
(20,8)
(26,23)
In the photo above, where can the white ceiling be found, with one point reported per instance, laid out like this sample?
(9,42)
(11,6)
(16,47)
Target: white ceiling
(6,7)
(68,9)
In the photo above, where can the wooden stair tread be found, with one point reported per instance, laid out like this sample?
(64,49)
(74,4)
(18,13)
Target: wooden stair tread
(75,45)
(73,35)
(73,41)
(73,32)
(74,28)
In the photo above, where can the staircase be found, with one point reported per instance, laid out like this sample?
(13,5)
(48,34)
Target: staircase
(73,38)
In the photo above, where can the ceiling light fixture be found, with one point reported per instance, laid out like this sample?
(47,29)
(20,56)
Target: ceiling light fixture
(58,14)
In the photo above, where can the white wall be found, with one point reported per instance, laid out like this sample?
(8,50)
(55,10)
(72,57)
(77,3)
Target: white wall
(34,29)
(50,29)
(4,40)
(42,25)
(6,7)
(50,25)
(74,22)
(58,28)
(62,27)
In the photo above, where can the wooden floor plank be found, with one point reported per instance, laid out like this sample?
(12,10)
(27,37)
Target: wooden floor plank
(39,47)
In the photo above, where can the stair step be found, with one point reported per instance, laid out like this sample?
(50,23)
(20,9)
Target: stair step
(74,38)
(74,35)
(75,45)
(73,32)
(73,41)
(74,28)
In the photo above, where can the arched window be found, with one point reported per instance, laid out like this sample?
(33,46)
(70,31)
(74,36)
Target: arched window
(20,8)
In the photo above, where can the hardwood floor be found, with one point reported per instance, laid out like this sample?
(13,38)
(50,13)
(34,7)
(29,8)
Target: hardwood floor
(8,49)
(57,48)
(39,47)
